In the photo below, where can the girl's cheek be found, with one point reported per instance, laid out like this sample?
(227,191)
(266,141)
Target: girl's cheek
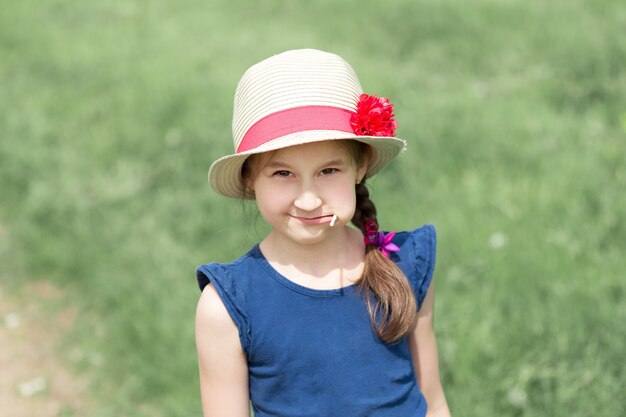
(342,197)
(275,198)
(342,189)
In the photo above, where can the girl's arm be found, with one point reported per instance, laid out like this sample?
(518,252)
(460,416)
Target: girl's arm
(221,359)
(423,345)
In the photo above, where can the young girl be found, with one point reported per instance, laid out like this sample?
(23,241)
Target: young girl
(320,319)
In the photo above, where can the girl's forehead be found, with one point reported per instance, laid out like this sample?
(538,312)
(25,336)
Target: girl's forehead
(315,150)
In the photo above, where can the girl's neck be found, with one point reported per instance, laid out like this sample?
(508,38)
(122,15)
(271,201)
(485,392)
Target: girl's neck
(343,249)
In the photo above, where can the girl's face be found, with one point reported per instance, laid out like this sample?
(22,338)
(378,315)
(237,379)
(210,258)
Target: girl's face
(298,189)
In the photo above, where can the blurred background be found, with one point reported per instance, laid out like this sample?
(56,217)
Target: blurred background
(112,111)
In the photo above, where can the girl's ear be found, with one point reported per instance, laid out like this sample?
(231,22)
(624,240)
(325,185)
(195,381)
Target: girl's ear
(247,174)
(366,158)
(360,174)
(248,184)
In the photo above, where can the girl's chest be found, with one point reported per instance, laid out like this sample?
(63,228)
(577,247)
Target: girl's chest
(315,332)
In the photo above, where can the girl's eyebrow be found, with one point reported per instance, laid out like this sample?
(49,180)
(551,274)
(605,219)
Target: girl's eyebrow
(277,164)
(280,164)
(335,162)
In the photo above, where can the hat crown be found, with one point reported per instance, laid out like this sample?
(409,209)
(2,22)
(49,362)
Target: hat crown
(292,79)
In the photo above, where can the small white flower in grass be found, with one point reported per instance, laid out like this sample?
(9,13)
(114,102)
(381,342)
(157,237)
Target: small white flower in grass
(96,359)
(173,138)
(12,320)
(32,387)
(517,397)
(497,240)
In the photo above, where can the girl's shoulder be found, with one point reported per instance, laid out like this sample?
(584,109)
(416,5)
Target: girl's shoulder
(416,257)
(224,271)
(425,232)
(420,242)
(231,281)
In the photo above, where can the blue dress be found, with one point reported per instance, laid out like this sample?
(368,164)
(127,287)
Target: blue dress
(313,353)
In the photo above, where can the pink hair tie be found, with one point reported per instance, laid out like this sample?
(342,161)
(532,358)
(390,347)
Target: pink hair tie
(381,240)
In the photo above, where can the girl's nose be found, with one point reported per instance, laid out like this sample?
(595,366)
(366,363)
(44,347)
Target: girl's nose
(307,200)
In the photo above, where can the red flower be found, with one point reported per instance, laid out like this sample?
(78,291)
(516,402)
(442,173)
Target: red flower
(373,117)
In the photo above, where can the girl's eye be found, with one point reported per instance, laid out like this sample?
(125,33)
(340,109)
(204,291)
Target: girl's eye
(328,171)
(282,173)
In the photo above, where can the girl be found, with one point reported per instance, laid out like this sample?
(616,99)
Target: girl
(320,318)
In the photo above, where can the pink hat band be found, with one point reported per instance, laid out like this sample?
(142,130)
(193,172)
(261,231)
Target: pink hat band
(299,119)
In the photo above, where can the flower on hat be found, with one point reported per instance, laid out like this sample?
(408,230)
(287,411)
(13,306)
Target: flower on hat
(373,117)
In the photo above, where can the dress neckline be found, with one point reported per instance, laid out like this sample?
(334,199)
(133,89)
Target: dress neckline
(258,255)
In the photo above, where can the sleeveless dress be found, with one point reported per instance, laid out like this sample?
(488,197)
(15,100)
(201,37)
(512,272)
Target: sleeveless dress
(313,353)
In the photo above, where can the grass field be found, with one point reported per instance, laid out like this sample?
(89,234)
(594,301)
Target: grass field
(515,114)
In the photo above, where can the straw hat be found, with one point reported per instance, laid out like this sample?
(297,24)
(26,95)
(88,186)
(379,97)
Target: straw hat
(298,97)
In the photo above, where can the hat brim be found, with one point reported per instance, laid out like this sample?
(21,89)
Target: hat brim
(225,173)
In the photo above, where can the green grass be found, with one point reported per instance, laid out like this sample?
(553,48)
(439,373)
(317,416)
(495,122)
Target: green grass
(110,114)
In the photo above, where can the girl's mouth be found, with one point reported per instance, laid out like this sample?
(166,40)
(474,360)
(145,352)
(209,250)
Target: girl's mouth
(314,220)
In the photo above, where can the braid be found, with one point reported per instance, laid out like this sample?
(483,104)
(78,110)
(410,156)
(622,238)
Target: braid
(395,303)
(365,208)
